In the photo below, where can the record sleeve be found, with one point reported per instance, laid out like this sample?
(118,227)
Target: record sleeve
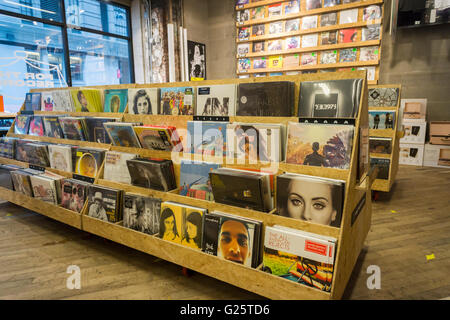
(299,256)
(244,64)
(292,43)
(310,198)
(291,60)
(276,27)
(244,33)
(260,63)
(116,168)
(242,16)
(62,101)
(330,99)
(20,154)
(292,25)
(33,101)
(368,54)
(122,134)
(328,19)
(44,188)
(52,127)
(310,40)
(171,221)
(37,154)
(274,45)
(152,174)
(22,123)
(274,99)
(380,145)
(207,137)
(348,16)
(36,127)
(382,119)
(154,137)
(372,32)
(95,130)
(328,57)
(257,13)
(383,165)
(88,161)
(47,101)
(194,179)
(5,177)
(143,101)
(105,203)
(141,213)
(116,100)
(242,188)
(308,59)
(72,128)
(331,3)
(322,145)
(87,100)
(8,147)
(309,22)
(73,194)
(292,7)
(383,97)
(60,157)
(192,227)
(327,38)
(371,12)
(242,49)
(177,101)
(258,46)
(274,10)
(313,4)
(216,100)
(347,35)
(275,62)
(21,182)
(370,72)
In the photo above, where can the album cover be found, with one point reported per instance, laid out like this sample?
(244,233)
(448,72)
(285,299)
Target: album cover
(143,101)
(310,40)
(292,43)
(152,174)
(73,194)
(383,165)
(207,137)
(372,32)
(257,13)
(242,16)
(244,33)
(371,13)
(260,63)
(95,131)
(115,100)
(368,54)
(105,203)
(327,38)
(170,221)
(328,19)
(331,3)
(258,46)
(348,16)
(244,64)
(242,2)
(47,101)
(276,27)
(292,7)
(299,256)
(320,200)
(308,59)
(22,123)
(313,4)
(21,182)
(122,134)
(275,62)
(88,161)
(37,154)
(116,168)
(52,127)
(380,145)
(192,227)
(255,141)
(321,145)
(347,35)
(221,229)
(330,99)
(177,101)
(291,61)
(8,147)
(196,60)
(274,45)
(274,10)
(87,100)
(383,97)
(155,137)
(20,154)
(60,157)
(347,55)
(62,101)
(44,188)
(194,179)
(243,49)
(292,25)
(274,74)
(328,57)
(36,127)
(309,22)
(216,100)
(141,213)
(258,30)
(72,128)
(5,177)
(242,188)
(275,99)
(33,101)
(382,119)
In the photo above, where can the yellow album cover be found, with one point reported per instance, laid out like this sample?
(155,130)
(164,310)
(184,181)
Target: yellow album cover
(170,222)
(192,227)
(87,100)
(275,62)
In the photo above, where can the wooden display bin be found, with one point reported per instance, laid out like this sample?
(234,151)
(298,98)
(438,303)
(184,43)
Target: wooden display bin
(356,215)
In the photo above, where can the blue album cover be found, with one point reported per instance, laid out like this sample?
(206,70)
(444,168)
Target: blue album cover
(116,100)
(194,179)
(207,137)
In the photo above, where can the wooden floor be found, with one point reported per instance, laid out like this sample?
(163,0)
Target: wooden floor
(409,224)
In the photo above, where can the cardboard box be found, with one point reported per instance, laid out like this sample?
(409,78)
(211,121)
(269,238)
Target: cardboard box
(413,110)
(411,154)
(436,156)
(414,132)
(440,132)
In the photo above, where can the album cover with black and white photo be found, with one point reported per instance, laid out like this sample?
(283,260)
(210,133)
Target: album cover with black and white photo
(216,100)
(141,213)
(105,203)
(152,173)
(196,60)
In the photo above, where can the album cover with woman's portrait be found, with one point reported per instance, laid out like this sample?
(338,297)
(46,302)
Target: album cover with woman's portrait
(170,221)
(143,101)
(192,227)
(141,213)
(321,145)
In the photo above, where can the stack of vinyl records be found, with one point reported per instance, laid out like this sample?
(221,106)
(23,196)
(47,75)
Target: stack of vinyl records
(37,153)
(116,168)
(5,175)
(105,203)
(122,134)
(152,173)
(7,147)
(162,138)
(74,194)
(47,187)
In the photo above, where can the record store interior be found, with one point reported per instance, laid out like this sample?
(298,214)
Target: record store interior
(224,150)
